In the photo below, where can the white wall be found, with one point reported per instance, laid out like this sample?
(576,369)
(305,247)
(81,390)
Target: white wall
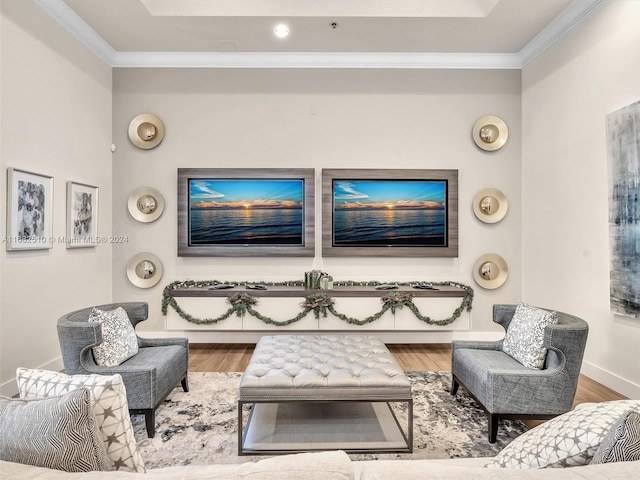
(56,120)
(566,94)
(322,119)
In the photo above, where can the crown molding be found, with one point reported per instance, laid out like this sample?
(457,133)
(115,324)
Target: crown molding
(314,60)
(70,20)
(321,8)
(576,12)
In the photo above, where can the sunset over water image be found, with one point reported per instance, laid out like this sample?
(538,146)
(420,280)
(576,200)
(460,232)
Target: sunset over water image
(246,212)
(389,212)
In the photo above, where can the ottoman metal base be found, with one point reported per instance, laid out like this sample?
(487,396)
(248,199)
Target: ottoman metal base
(323,392)
(355,427)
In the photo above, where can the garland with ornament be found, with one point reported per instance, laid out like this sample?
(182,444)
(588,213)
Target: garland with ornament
(321,303)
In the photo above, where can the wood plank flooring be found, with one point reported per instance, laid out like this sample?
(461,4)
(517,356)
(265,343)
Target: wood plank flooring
(411,357)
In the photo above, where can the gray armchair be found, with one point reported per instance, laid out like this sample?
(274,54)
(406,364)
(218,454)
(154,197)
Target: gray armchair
(149,376)
(507,389)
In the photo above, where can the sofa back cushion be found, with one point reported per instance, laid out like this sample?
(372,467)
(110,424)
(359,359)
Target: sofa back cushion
(568,440)
(622,443)
(57,432)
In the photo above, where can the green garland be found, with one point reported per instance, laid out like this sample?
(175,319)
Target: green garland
(241,303)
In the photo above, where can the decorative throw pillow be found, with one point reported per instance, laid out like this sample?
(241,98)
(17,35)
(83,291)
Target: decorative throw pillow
(58,432)
(119,340)
(524,339)
(568,440)
(110,407)
(622,443)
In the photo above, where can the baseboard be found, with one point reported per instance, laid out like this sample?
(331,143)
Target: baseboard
(10,388)
(230,336)
(611,380)
(214,337)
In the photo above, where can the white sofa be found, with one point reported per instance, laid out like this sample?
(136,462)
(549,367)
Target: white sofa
(588,436)
(337,466)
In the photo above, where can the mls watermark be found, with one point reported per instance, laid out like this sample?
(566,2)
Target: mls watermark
(33,240)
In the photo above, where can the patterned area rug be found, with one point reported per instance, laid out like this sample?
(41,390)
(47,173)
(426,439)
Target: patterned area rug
(200,427)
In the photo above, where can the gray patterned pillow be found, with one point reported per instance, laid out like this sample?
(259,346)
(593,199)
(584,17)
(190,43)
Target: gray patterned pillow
(58,432)
(622,443)
(524,339)
(119,340)
(110,408)
(568,440)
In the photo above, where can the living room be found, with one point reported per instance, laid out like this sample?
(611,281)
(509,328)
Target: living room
(63,107)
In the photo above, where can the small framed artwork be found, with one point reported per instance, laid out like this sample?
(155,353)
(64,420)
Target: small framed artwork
(29,210)
(82,215)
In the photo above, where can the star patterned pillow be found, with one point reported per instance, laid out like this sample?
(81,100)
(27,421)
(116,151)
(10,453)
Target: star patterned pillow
(110,408)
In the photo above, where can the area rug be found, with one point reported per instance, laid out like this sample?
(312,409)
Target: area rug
(200,427)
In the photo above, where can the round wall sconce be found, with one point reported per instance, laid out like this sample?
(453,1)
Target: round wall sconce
(145,204)
(490,271)
(490,133)
(146,131)
(490,205)
(144,270)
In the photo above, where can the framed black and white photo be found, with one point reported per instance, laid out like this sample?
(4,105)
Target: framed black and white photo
(29,210)
(82,215)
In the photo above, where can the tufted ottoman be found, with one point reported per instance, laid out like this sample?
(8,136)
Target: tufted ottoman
(308,390)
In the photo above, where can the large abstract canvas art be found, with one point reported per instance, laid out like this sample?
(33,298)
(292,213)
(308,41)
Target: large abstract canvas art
(623,145)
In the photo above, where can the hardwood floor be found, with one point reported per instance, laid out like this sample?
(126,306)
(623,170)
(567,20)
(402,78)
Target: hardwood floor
(411,357)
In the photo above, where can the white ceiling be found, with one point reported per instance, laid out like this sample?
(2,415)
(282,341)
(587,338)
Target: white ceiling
(368,33)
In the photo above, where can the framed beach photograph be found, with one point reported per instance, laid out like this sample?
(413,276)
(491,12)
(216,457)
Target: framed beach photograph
(29,210)
(246,212)
(82,215)
(410,213)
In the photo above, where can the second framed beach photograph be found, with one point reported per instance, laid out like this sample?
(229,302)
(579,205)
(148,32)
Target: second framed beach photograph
(246,212)
(405,213)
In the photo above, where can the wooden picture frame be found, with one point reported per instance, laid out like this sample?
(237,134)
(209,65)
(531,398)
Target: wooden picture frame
(389,212)
(246,212)
(82,215)
(29,210)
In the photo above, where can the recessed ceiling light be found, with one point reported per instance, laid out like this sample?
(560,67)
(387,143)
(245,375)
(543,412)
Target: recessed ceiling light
(281,30)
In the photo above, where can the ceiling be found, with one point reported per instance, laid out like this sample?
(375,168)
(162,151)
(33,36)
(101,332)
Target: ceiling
(323,33)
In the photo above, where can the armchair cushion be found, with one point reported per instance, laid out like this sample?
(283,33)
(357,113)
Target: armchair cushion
(568,440)
(119,340)
(524,339)
(622,443)
(110,408)
(58,432)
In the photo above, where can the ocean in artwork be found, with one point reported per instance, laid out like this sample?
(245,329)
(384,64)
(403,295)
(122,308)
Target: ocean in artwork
(623,145)
(408,213)
(247,226)
(246,212)
(399,227)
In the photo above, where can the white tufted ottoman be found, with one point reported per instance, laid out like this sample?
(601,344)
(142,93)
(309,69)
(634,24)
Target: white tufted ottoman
(314,372)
